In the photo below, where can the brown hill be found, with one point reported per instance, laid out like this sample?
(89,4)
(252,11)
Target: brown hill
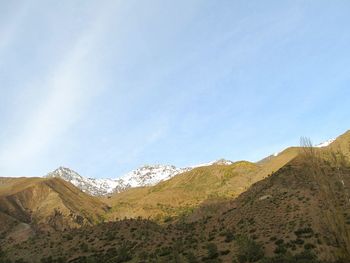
(45,204)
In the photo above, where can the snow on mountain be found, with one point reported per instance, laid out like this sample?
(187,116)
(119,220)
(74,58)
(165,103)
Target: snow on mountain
(150,175)
(217,162)
(89,185)
(325,144)
(147,175)
(320,145)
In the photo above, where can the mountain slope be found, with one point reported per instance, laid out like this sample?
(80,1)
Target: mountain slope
(144,176)
(91,186)
(300,213)
(48,204)
(147,175)
(302,206)
(185,191)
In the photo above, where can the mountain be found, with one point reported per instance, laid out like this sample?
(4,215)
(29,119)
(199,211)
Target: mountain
(182,193)
(147,175)
(293,207)
(95,187)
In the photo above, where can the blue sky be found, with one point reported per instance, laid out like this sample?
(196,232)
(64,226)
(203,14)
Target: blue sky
(106,86)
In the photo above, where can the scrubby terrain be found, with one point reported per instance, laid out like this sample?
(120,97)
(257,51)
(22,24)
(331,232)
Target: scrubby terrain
(292,207)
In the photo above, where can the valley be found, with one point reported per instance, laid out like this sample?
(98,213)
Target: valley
(289,207)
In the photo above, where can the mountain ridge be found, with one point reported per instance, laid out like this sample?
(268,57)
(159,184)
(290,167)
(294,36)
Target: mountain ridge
(292,207)
(146,175)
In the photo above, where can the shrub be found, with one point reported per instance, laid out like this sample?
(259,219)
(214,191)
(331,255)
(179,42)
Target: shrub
(309,246)
(191,258)
(229,236)
(212,251)
(123,255)
(84,247)
(279,242)
(248,250)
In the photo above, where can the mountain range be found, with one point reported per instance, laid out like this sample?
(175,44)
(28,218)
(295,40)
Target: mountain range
(147,175)
(292,206)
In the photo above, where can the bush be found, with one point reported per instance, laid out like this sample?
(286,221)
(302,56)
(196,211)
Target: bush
(212,251)
(229,236)
(84,247)
(123,255)
(279,242)
(191,258)
(306,232)
(304,257)
(280,250)
(249,250)
(309,246)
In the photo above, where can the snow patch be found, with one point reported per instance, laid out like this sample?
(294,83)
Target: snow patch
(325,144)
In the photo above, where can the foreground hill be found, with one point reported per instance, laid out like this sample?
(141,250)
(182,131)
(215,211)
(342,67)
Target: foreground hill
(38,204)
(300,213)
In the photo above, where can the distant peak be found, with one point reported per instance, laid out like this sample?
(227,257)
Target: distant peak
(62,168)
(63,172)
(223,161)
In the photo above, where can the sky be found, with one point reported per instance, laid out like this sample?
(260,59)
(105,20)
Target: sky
(103,87)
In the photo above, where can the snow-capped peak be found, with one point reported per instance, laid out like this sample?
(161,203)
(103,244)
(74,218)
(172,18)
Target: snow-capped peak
(64,173)
(88,185)
(146,175)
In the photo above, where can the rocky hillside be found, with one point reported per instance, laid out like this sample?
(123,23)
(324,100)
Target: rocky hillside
(41,204)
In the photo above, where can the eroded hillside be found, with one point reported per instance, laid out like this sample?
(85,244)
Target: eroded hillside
(37,204)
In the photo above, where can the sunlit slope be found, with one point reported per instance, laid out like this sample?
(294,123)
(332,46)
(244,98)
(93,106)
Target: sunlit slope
(299,211)
(303,206)
(342,144)
(187,190)
(48,202)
